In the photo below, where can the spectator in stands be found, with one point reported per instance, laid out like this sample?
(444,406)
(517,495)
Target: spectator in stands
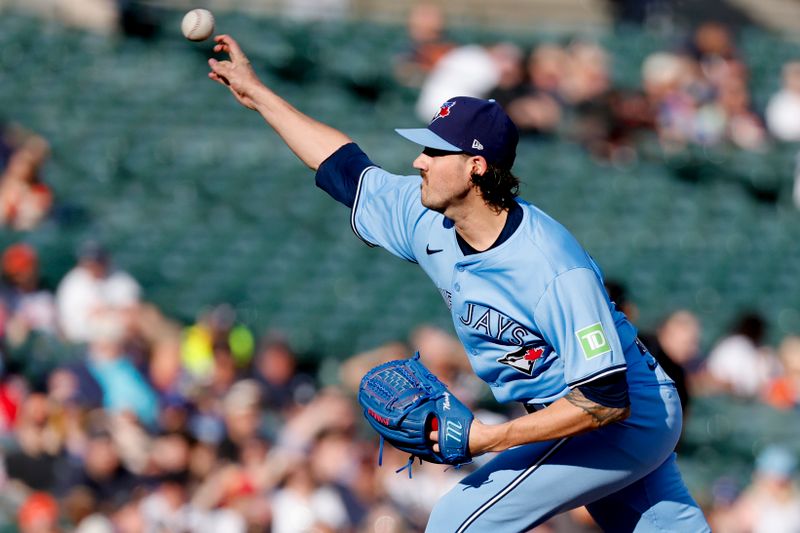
(169,508)
(353,369)
(712,42)
(470,70)
(618,294)
(26,306)
(784,391)
(665,78)
(722,511)
(604,119)
(534,110)
(39,514)
(701,97)
(283,387)
(744,128)
(27,313)
(102,472)
(587,76)
(303,504)
(739,363)
(676,347)
(98,16)
(13,389)
(24,199)
(783,109)
(216,339)
(28,326)
(427,44)
(242,416)
(124,388)
(772,502)
(415,497)
(94,290)
(39,446)
(330,411)
(338,461)
(444,356)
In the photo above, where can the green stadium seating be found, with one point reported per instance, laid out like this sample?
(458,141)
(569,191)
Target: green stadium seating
(204,204)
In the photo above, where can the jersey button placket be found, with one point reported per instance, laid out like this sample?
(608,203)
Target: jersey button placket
(459,270)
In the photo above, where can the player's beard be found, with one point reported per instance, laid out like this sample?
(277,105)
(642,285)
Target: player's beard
(425,196)
(443,200)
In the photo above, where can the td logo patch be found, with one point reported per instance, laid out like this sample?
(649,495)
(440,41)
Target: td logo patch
(593,341)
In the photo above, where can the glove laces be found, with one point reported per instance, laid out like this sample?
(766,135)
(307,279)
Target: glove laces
(408,465)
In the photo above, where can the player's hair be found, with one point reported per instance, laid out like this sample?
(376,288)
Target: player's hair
(498,187)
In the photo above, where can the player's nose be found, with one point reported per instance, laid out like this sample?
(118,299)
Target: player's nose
(421,162)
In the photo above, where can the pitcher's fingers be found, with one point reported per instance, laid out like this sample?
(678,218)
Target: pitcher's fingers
(220,67)
(232,48)
(220,79)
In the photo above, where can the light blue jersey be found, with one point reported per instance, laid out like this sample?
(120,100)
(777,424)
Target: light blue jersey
(535,320)
(532,313)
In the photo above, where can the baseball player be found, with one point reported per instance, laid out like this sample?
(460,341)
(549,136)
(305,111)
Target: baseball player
(529,306)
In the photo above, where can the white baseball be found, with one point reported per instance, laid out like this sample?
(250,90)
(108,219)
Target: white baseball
(198,24)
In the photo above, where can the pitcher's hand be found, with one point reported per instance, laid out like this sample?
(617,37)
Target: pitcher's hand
(236,73)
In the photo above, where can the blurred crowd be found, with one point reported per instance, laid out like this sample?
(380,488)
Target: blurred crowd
(116,418)
(740,365)
(695,94)
(113,418)
(25,200)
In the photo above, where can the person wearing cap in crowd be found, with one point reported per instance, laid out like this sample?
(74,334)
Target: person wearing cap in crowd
(528,305)
(28,320)
(38,514)
(94,290)
(26,304)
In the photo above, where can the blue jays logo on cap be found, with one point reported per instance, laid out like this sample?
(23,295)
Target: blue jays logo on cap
(444,111)
(473,126)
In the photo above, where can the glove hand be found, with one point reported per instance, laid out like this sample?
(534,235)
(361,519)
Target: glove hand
(403,401)
(482,438)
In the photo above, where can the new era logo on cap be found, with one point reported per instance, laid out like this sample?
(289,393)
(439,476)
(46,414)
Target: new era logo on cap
(467,120)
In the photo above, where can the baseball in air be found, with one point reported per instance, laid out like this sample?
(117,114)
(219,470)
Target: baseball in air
(198,24)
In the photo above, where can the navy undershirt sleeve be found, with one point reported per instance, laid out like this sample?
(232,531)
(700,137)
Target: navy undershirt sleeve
(339,174)
(608,391)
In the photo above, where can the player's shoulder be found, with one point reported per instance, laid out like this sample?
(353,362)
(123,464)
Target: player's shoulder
(553,241)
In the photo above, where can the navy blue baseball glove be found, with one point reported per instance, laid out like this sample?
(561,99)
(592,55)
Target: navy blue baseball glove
(403,401)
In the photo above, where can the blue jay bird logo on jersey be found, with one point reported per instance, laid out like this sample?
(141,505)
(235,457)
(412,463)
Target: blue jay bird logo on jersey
(443,112)
(524,359)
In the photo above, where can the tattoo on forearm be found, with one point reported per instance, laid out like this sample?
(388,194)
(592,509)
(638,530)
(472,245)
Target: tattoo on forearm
(601,414)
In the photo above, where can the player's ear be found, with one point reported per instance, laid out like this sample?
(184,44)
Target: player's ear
(478,165)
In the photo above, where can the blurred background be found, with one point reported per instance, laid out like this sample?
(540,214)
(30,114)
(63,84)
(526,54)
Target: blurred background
(184,317)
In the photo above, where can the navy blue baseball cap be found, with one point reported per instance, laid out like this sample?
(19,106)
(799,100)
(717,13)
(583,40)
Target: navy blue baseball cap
(472,125)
